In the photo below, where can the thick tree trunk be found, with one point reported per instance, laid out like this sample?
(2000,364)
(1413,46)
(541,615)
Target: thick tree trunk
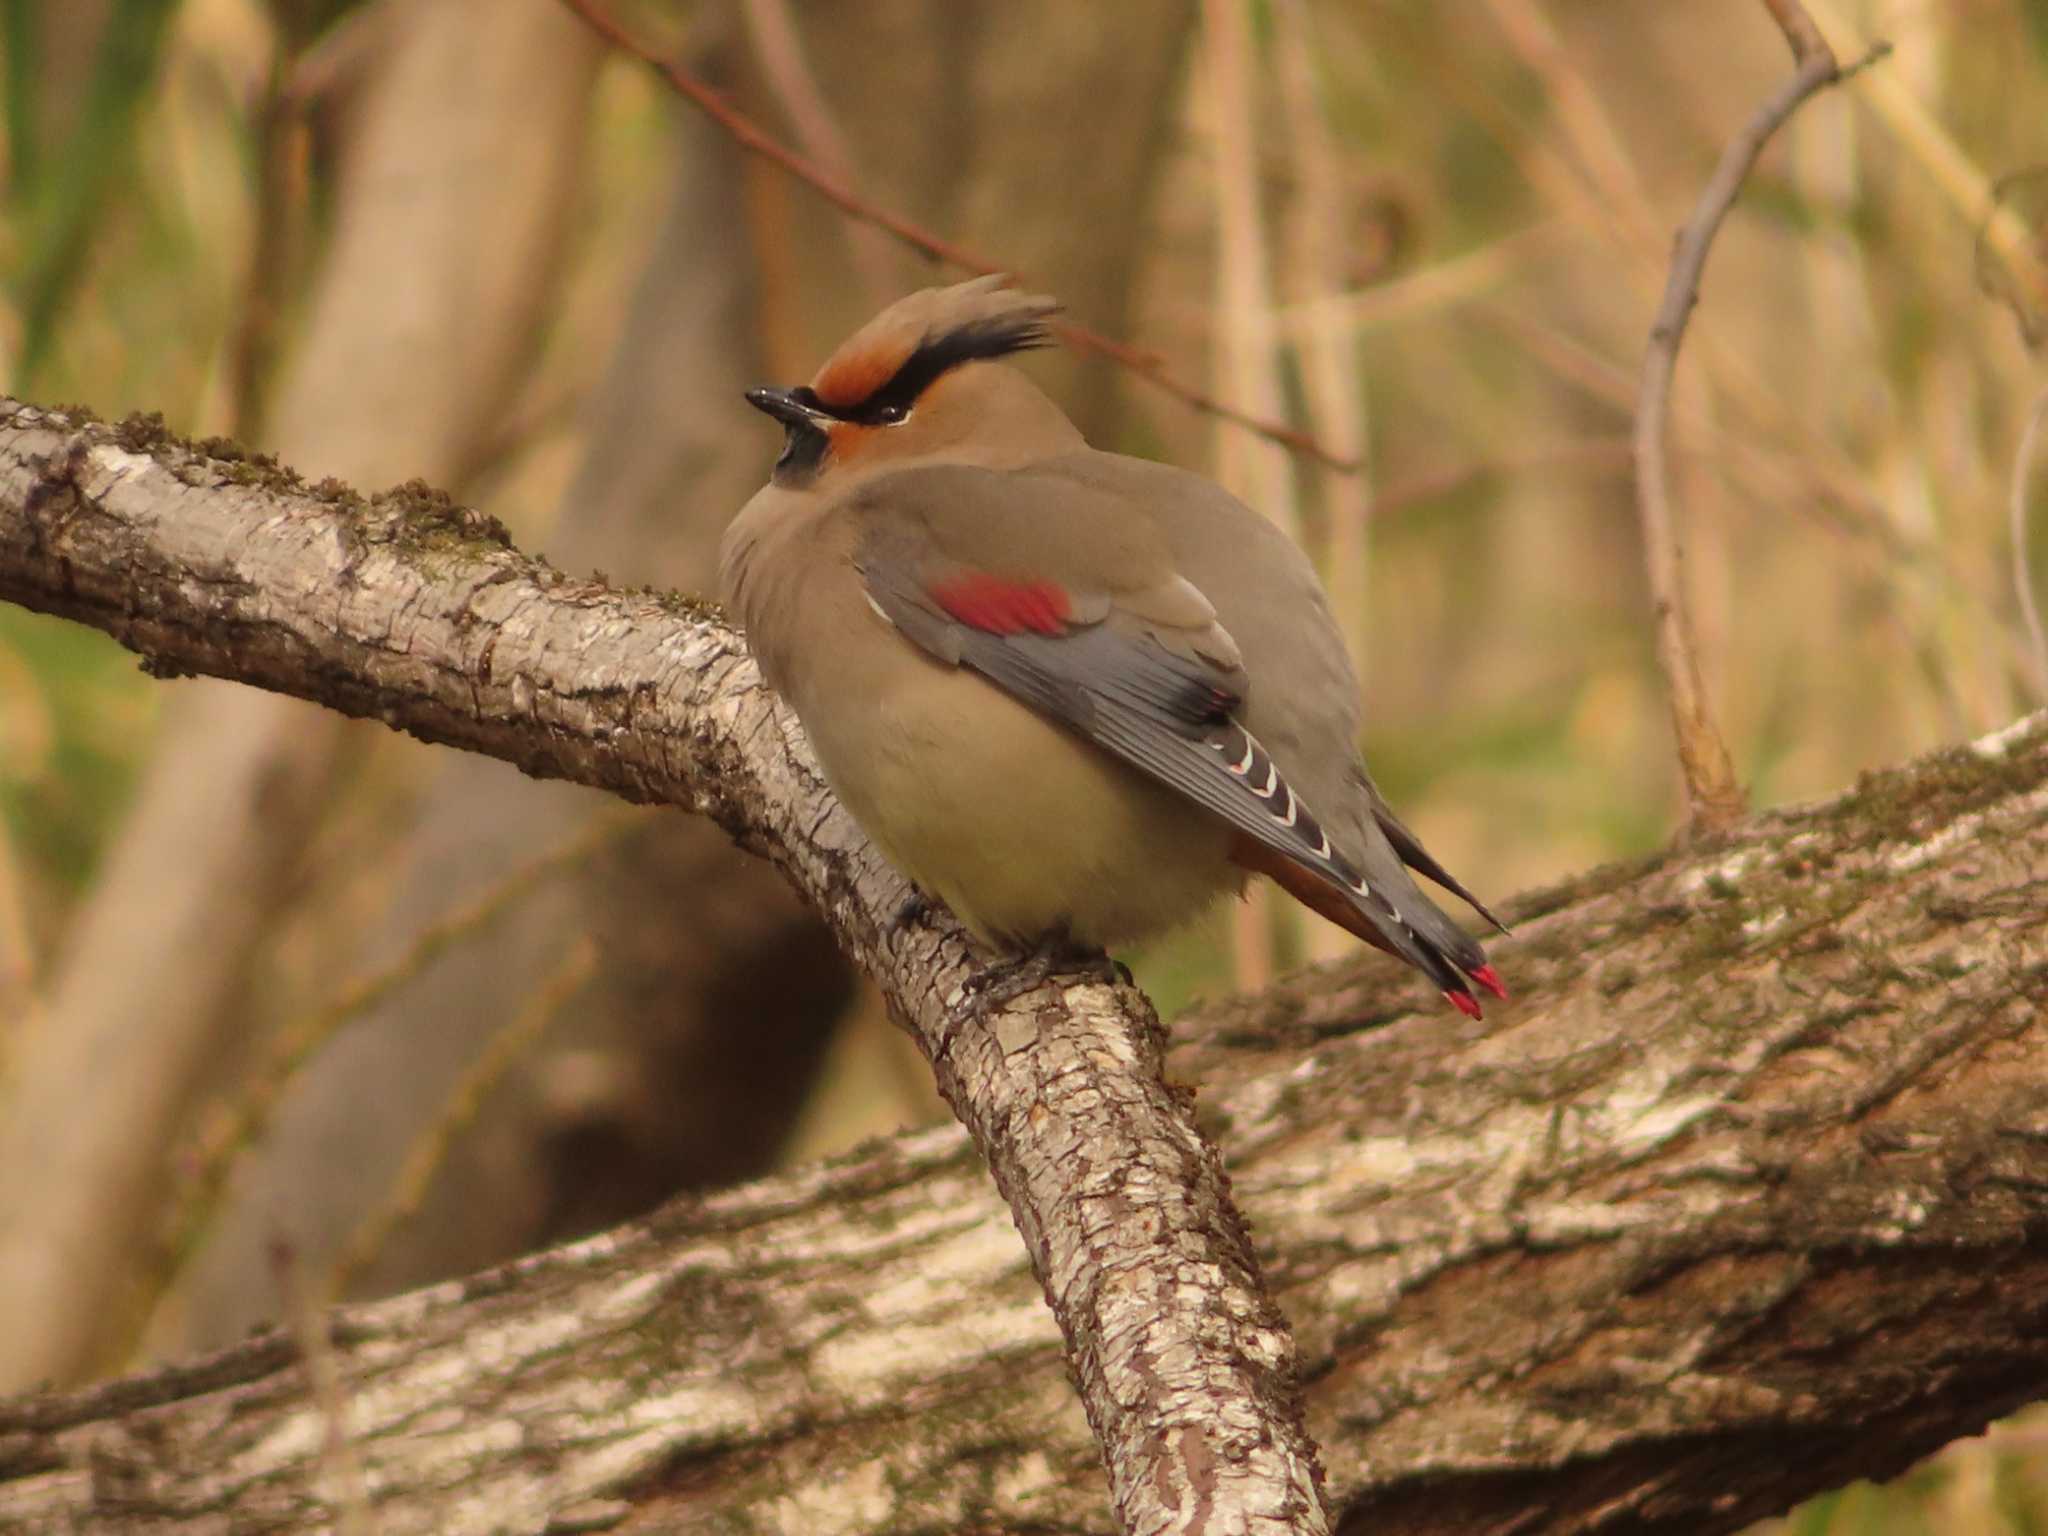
(1746,1194)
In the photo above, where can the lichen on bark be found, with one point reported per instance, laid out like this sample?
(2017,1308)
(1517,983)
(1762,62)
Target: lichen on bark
(1746,1193)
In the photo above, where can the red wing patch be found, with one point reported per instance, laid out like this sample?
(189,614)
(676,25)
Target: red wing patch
(1001,607)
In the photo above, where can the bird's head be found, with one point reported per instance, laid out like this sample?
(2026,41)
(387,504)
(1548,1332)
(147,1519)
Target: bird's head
(914,384)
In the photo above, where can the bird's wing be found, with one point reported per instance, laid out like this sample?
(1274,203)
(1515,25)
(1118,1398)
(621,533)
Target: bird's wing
(1072,605)
(1418,858)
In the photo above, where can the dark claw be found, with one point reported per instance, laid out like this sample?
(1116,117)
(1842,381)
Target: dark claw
(914,910)
(1016,975)
(1106,969)
(1010,978)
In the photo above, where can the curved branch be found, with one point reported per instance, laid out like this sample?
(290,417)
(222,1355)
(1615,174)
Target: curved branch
(426,618)
(1746,1196)
(1713,794)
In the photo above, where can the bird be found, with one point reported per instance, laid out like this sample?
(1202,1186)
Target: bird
(1075,696)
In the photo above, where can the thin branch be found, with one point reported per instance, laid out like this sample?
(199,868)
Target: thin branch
(1600,149)
(1152,368)
(232,1129)
(2002,234)
(1597,455)
(280,136)
(2022,562)
(1243,362)
(479,1080)
(1320,229)
(20,1003)
(1801,34)
(304,1309)
(757,141)
(1422,293)
(1246,358)
(1185,1366)
(1713,794)
(781,53)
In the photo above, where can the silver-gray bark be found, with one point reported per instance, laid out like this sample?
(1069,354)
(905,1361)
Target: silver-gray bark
(1747,1193)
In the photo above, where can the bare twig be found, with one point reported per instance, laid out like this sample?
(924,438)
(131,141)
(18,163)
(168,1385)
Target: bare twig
(1804,37)
(1837,503)
(1588,204)
(1714,796)
(280,150)
(2022,563)
(231,1131)
(499,1055)
(1244,362)
(1150,367)
(303,1309)
(1421,293)
(2003,238)
(1772,477)
(1246,356)
(1600,149)
(781,52)
(1599,455)
(19,1001)
(1333,383)
(755,140)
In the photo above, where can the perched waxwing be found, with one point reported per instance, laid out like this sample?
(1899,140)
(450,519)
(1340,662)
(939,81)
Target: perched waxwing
(1073,695)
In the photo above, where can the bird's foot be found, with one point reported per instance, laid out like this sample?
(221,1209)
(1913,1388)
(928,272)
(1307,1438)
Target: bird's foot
(914,910)
(1013,976)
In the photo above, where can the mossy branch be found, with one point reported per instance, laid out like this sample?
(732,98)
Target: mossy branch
(1745,1196)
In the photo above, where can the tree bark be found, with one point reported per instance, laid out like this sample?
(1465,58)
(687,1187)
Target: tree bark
(1745,1195)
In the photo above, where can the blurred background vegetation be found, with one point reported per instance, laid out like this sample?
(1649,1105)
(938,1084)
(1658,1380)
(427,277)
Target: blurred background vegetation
(264,975)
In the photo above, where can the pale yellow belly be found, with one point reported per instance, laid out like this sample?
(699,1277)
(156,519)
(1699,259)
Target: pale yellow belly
(1016,824)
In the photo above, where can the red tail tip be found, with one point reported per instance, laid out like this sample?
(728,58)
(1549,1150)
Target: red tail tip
(1489,978)
(1465,1003)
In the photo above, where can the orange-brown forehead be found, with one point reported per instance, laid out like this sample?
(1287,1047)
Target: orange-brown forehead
(859,368)
(849,441)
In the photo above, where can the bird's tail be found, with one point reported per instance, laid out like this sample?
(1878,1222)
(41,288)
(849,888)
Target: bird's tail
(1392,914)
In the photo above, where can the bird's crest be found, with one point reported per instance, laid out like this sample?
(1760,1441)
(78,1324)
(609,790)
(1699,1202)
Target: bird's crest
(897,355)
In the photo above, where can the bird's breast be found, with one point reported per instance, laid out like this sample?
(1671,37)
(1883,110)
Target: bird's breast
(1015,823)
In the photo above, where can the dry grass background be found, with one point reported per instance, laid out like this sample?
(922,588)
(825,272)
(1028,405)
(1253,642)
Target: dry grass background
(1434,232)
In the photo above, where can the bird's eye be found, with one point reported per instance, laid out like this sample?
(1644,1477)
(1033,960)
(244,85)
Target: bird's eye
(889,415)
